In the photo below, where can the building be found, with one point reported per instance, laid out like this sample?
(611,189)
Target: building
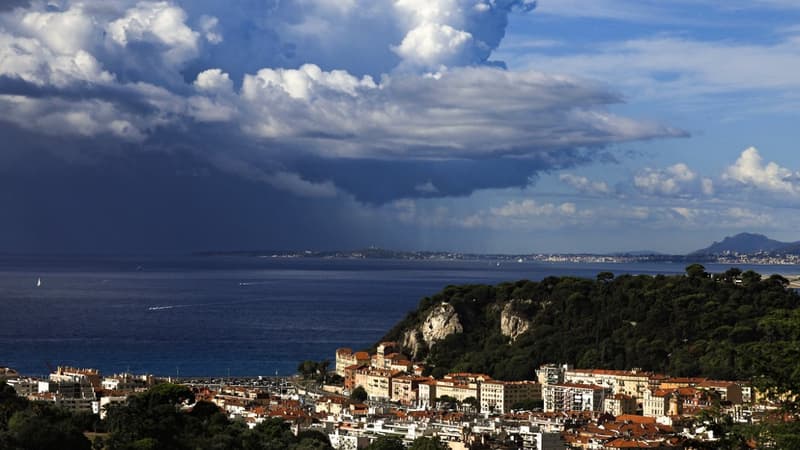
(501,396)
(77,404)
(747,393)
(551,373)
(70,388)
(627,382)
(385,353)
(331,405)
(346,357)
(680,382)
(127,382)
(426,395)
(727,390)
(405,389)
(378,383)
(24,386)
(352,376)
(619,404)
(399,363)
(661,402)
(73,375)
(461,386)
(572,397)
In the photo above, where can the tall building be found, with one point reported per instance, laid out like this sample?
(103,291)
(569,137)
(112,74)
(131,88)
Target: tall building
(572,397)
(501,396)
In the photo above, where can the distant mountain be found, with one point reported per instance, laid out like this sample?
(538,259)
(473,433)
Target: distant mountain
(748,243)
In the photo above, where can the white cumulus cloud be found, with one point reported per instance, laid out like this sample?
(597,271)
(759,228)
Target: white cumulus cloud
(585,185)
(160,23)
(750,170)
(674,181)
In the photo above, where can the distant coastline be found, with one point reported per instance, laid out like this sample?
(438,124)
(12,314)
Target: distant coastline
(733,258)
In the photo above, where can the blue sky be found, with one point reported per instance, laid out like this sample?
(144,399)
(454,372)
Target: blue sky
(474,125)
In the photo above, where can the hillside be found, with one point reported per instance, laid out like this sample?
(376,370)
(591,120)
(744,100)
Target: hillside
(735,326)
(746,243)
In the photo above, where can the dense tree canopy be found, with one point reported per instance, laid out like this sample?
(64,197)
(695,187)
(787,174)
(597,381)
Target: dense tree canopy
(387,443)
(155,420)
(730,326)
(314,370)
(28,425)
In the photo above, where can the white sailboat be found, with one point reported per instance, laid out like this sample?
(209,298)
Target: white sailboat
(38,282)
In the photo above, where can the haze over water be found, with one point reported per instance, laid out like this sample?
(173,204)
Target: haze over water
(220,315)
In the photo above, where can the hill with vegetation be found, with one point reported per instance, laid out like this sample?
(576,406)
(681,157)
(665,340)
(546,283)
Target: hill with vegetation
(748,243)
(727,326)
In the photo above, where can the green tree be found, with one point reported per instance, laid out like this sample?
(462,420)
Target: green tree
(528,405)
(315,435)
(779,280)
(751,278)
(387,443)
(471,402)
(42,427)
(10,403)
(605,277)
(271,434)
(427,443)
(732,274)
(696,271)
(359,394)
(313,370)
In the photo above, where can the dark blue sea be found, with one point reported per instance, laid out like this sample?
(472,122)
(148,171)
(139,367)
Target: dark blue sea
(215,315)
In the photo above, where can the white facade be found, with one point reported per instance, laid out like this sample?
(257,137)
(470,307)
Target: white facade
(572,397)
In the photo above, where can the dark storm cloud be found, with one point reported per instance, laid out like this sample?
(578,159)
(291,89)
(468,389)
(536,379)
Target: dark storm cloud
(121,96)
(141,202)
(378,182)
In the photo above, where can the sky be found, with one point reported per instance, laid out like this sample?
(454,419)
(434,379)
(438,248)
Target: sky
(509,126)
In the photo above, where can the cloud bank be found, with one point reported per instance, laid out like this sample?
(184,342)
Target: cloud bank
(309,98)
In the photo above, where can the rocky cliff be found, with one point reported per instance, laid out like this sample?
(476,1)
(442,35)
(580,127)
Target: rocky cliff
(441,321)
(512,323)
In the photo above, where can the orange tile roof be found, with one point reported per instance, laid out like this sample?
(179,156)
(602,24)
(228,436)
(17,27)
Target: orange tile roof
(662,392)
(626,443)
(686,380)
(687,392)
(635,419)
(580,385)
(716,384)
(611,372)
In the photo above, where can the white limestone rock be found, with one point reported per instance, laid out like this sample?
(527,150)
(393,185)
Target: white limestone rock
(512,324)
(441,322)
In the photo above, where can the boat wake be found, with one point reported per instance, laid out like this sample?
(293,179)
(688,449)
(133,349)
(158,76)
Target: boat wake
(160,308)
(252,283)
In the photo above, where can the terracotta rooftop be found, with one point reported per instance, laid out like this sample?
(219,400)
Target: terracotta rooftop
(629,443)
(611,372)
(635,419)
(580,385)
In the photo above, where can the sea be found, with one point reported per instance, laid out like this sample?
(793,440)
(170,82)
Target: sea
(230,315)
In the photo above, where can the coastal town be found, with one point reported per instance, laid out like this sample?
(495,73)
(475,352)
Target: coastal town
(384,393)
(755,258)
